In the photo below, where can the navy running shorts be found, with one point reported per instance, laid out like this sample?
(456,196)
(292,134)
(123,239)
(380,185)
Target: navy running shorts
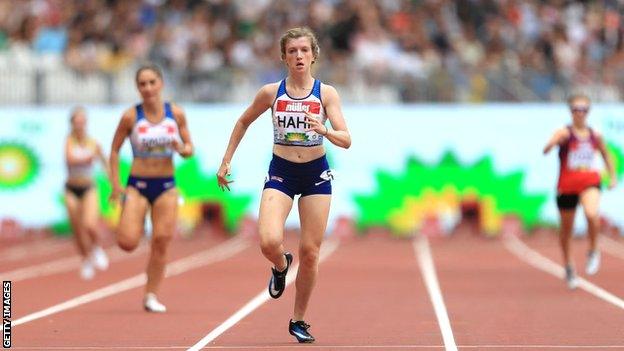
(292,178)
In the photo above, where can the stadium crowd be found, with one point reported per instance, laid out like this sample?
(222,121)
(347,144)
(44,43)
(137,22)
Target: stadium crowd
(383,50)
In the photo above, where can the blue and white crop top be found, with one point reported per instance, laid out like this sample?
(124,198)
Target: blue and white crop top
(154,139)
(289,118)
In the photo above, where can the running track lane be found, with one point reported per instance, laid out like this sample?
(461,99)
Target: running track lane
(197,300)
(369,296)
(498,302)
(38,293)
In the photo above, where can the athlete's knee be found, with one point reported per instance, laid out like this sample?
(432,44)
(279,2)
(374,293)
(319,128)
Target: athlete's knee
(127,244)
(592,217)
(269,245)
(161,243)
(127,241)
(309,255)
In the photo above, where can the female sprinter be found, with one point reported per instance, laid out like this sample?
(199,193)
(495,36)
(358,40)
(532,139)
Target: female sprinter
(81,196)
(300,106)
(155,129)
(579,181)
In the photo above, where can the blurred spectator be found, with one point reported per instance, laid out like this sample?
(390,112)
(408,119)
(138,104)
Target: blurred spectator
(382,50)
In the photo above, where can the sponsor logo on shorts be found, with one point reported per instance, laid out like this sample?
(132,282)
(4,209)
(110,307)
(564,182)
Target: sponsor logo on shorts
(327,176)
(141,184)
(277,179)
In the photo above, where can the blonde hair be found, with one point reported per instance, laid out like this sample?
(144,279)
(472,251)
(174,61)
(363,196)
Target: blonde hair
(298,32)
(575,97)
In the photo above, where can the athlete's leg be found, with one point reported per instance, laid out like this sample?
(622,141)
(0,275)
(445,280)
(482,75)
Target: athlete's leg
(72,203)
(130,228)
(274,208)
(590,200)
(565,232)
(313,213)
(90,212)
(164,216)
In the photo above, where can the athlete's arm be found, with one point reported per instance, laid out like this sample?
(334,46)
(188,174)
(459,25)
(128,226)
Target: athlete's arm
(100,155)
(339,134)
(263,100)
(557,138)
(123,130)
(607,160)
(186,149)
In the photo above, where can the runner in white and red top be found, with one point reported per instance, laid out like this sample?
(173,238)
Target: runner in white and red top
(300,107)
(579,181)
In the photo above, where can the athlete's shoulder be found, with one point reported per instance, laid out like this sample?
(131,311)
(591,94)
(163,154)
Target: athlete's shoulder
(176,109)
(129,116)
(329,93)
(270,89)
(267,93)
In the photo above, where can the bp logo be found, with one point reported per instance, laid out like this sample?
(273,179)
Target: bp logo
(18,165)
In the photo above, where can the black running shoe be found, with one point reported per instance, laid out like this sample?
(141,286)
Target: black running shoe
(300,330)
(277,284)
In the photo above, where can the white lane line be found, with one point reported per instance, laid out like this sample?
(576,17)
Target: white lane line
(612,247)
(330,347)
(203,258)
(327,249)
(535,259)
(427,269)
(64,265)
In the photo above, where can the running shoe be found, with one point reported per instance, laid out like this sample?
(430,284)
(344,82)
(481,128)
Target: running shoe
(299,329)
(151,304)
(593,262)
(87,271)
(570,277)
(277,284)
(99,258)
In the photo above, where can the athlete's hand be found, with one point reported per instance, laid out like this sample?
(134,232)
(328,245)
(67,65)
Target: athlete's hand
(116,193)
(224,171)
(185,150)
(612,182)
(315,124)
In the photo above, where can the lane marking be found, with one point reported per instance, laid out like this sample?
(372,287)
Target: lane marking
(203,258)
(537,260)
(326,250)
(64,265)
(427,269)
(330,347)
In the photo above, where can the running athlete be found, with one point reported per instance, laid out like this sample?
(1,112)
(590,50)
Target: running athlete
(156,129)
(81,198)
(579,181)
(300,106)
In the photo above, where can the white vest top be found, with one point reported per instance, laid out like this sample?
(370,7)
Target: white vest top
(289,118)
(154,139)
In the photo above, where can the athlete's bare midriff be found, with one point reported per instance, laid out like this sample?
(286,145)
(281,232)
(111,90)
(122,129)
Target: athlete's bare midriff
(299,154)
(152,167)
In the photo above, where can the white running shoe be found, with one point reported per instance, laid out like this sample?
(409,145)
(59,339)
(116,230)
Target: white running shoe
(87,271)
(151,304)
(99,258)
(593,262)
(570,277)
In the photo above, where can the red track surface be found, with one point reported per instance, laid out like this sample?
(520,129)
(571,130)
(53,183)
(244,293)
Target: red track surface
(370,295)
